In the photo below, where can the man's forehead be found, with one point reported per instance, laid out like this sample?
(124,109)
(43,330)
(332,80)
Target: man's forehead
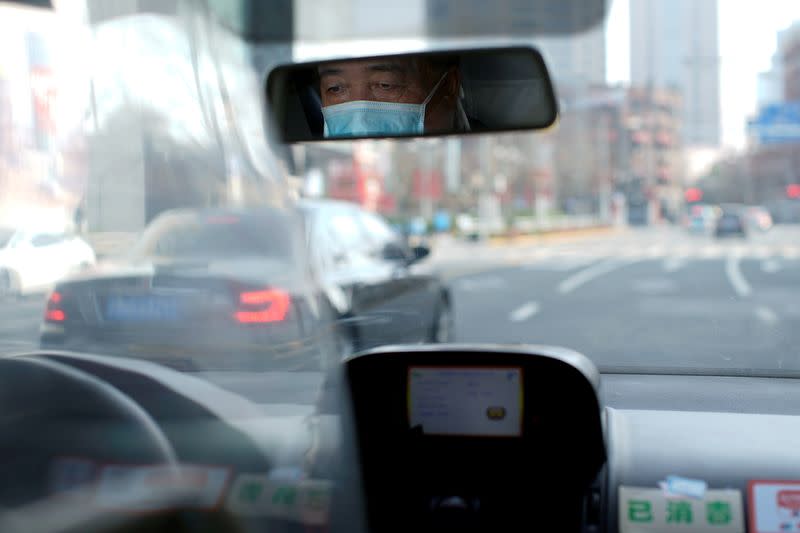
(390,64)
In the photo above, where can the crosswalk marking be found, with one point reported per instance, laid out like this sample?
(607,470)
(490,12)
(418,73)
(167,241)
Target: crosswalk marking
(791,252)
(578,256)
(761,252)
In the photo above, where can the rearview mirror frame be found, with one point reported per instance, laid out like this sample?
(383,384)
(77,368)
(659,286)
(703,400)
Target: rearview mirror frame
(290,94)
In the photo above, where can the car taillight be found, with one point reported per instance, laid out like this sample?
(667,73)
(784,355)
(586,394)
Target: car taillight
(262,306)
(53,311)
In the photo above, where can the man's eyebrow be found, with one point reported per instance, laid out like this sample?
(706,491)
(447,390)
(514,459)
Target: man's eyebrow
(329,71)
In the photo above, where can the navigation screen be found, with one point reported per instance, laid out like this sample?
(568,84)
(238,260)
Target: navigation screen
(479,402)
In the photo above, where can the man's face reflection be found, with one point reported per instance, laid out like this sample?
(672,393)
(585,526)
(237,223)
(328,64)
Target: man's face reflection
(401,80)
(386,80)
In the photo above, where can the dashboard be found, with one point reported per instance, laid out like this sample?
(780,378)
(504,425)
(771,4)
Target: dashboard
(479,439)
(484,438)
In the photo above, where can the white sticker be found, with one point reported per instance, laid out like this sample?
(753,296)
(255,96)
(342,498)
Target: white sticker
(483,402)
(676,486)
(649,510)
(774,506)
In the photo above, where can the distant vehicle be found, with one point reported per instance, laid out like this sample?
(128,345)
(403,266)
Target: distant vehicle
(758,218)
(357,253)
(229,288)
(33,260)
(701,219)
(697,224)
(731,224)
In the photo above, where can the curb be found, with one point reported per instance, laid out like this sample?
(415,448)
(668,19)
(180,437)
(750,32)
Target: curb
(554,235)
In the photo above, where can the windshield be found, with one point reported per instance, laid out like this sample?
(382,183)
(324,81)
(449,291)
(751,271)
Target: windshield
(5,237)
(216,236)
(655,227)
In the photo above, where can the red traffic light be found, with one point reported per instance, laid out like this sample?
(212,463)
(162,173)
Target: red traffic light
(693,195)
(793,190)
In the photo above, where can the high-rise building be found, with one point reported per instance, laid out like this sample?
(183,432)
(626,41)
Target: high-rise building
(578,59)
(782,81)
(674,44)
(789,60)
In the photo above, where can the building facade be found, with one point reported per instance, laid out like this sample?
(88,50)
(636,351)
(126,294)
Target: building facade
(674,44)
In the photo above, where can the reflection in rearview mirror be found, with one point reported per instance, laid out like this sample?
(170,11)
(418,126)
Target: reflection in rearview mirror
(473,91)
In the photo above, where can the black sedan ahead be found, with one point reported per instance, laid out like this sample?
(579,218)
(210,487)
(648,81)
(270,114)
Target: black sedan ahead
(209,289)
(729,224)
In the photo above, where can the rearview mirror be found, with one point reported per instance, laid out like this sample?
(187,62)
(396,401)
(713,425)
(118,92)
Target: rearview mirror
(413,95)
(421,252)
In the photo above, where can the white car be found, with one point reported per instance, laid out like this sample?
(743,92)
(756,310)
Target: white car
(33,260)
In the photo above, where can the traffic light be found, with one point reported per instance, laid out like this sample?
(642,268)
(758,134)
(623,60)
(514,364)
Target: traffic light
(693,195)
(793,190)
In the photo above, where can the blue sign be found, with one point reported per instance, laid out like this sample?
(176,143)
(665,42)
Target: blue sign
(777,124)
(441,221)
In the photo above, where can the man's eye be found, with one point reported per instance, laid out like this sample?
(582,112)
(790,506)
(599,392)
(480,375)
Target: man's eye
(334,89)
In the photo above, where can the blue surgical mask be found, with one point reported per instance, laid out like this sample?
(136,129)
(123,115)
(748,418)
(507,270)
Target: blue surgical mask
(366,117)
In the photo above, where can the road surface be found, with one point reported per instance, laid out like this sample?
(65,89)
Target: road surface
(639,298)
(649,298)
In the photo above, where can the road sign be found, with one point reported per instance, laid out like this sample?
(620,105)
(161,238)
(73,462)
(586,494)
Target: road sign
(777,124)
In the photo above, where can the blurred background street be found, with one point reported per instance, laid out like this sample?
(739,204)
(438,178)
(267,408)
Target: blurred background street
(665,295)
(659,222)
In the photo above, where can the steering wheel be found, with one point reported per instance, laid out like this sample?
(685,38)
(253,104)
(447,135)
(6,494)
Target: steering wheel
(49,411)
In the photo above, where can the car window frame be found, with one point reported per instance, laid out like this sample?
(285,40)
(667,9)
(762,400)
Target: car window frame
(58,238)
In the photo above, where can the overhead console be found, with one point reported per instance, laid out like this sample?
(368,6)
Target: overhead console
(476,438)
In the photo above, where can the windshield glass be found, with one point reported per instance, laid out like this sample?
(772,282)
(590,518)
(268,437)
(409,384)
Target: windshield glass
(216,236)
(655,227)
(5,237)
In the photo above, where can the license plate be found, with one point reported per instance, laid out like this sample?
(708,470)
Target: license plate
(144,308)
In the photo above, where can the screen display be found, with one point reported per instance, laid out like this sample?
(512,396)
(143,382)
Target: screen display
(478,402)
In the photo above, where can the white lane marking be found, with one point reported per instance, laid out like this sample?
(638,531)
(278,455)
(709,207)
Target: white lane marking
(588,274)
(736,277)
(673,264)
(523,312)
(766,315)
(541,253)
(770,266)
